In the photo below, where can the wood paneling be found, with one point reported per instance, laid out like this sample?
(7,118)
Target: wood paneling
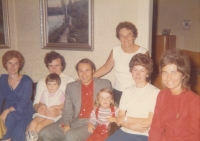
(164,42)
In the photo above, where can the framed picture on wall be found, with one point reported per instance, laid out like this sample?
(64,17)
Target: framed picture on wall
(67,24)
(4,25)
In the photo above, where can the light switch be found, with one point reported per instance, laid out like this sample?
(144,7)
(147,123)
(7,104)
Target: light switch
(186,24)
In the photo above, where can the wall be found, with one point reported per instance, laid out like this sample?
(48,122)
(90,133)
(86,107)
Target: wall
(171,14)
(24,16)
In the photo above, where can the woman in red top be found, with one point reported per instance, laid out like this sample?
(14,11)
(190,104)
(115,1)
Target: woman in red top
(176,116)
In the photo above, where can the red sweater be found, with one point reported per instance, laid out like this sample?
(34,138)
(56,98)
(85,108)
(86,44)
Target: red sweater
(176,117)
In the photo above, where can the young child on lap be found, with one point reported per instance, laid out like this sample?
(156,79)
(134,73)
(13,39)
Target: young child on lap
(52,98)
(104,113)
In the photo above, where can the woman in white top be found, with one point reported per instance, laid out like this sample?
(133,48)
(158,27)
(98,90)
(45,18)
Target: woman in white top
(137,103)
(120,57)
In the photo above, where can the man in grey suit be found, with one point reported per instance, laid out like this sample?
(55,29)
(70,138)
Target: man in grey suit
(79,98)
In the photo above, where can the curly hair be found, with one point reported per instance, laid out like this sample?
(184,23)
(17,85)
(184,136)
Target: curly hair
(142,60)
(107,90)
(13,54)
(178,58)
(49,57)
(53,77)
(127,25)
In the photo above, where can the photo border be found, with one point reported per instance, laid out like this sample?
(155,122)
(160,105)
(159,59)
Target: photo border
(66,46)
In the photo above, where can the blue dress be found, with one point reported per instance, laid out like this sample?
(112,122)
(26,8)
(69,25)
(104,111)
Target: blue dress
(19,98)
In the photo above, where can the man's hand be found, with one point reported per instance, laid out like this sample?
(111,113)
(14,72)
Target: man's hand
(65,127)
(52,112)
(90,127)
(41,109)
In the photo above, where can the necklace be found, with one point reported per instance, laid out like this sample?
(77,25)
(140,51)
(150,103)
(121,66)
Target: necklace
(177,105)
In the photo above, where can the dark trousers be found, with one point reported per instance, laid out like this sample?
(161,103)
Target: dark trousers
(120,135)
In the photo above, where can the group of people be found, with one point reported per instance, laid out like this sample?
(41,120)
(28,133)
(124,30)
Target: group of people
(65,109)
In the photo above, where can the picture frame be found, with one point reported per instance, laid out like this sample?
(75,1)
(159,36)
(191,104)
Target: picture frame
(166,31)
(67,24)
(4,25)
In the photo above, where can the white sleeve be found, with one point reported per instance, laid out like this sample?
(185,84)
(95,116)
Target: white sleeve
(41,86)
(93,117)
(123,101)
(153,98)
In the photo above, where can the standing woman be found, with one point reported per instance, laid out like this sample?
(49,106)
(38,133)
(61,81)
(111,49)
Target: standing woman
(176,116)
(15,97)
(120,57)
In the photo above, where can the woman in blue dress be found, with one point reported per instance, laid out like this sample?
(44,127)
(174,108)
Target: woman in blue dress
(16,108)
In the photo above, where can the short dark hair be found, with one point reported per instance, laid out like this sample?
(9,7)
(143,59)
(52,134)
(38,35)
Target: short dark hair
(53,77)
(142,60)
(49,57)
(178,58)
(13,54)
(88,61)
(127,25)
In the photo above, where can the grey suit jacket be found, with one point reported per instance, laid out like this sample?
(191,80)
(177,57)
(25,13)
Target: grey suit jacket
(72,103)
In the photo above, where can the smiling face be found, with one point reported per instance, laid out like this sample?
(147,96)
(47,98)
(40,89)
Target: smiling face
(139,74)
(105,99)
(52,86)
(55,66)
(12,66)
(126,37)
(171,78)
(85,73)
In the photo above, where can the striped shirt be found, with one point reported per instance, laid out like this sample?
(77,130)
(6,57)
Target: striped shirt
(103,115)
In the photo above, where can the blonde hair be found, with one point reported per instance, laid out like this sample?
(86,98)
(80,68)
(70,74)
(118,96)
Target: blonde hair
(107,90)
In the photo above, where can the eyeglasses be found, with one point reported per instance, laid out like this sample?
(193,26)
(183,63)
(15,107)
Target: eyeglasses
(127,36)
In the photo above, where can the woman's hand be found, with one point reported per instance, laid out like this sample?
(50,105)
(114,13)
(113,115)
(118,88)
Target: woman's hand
(120,120)
(4,114)
(138,127)
(90,127)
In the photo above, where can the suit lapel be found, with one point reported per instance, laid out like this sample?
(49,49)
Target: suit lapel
(79,96)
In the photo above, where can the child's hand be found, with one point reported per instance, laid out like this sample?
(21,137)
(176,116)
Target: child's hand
(90,127)
(112,119)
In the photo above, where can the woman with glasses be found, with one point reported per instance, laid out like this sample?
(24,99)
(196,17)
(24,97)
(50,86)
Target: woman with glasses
(120,57)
